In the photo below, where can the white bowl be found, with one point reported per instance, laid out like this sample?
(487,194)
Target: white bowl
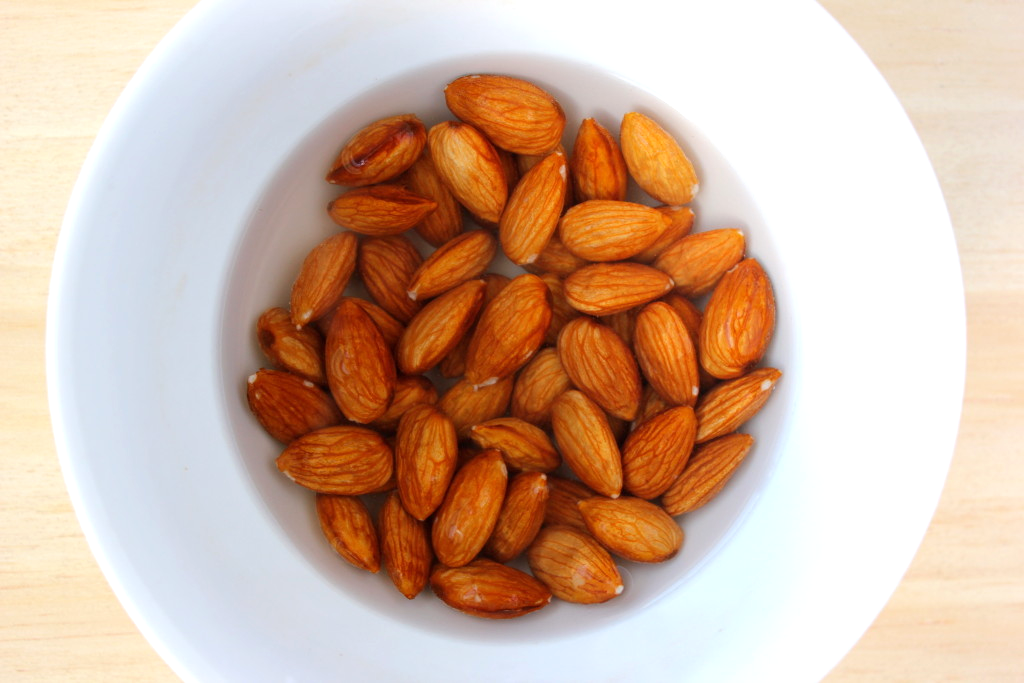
(204,192)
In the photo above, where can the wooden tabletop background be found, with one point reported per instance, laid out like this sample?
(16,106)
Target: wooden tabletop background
(956,65)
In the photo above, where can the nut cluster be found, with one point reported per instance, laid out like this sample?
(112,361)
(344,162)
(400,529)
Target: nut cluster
(590,399)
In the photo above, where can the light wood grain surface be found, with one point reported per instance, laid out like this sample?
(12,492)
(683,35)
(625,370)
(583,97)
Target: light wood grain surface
(958,68)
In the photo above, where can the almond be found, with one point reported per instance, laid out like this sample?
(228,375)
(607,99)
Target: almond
(444,222)
(587,443)
(666,354)
(380,210)
(607,288)
(656,452)
(409,391)
(598,168)
(324,274)
(656,161)
(404,547)
(348,527)
(687,312)
(609,230)
(561,311)
(470,509)
(574,566)
(386,265)
(459,259)
(728,405)
(510,165)
(289,406)
(555,258)
(624,324)
(343,460)
(437,329)
(738,321)
(531,214)
(488,589)
(513,113)
(426,449)
(520,518)
(632,528)
(299,350)
(454,364)
(360,368)
(537,386)
(601,365)
(389,327)
(710,467)
(650,405)
(471,168)
(697,261)
(467,405)
(510,330)
(679,223)
(379,151)
(563,495)
(523,445)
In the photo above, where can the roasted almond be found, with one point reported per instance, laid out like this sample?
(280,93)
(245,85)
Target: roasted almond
(600,364)
(697,261)
(609,230)
(404,547)
(410,390)
(523,445)
(386,266)
(468,405)
(574,566)
(360,368)
(587,443)
(289,406)
(459,259)
(426,449)
(563,495)
(324,274)
(380,209)
(656,452)
(561,311)
(470,509)
(738,322)
(380,151)
(520,518)
(299,350)
(444,222)
(728,405)
(607,288)
(471,168)
(343,460)
(555,258)
(710,467)
(348,527)
(678,223)
(437,329)
(489,589)
(632,528)
(666,354)
(656,161)
(598,168)
(531,214)
(537,386)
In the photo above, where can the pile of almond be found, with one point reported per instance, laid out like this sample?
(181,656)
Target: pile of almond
(588,401)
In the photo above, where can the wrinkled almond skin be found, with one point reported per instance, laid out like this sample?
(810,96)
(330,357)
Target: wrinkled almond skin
(666,354)
(444,222)
(678,224)
(561,311)
(523,445)
(656,452)
(343,460)
(632,528)
(386,266)
(606,230)
(563,496)
(650,405)
(600,364)
(426,450)
(404,547)
(531,214)
(454,364)
(598,168)
(510,165)
(687,312)
(289,406)
(709,469)
(728,405)
(389,327)
(520,518)
(697,261)
(587,443)
(624,324)
(488,589)
(606,288)
(300,351)
(380,210)
(459,259)
(470,509)
(348,527)
(510,330)
(656,161)
(410,390)
(515,114)
(322,278)
(437,329)
(574,566)
(471,168)
(379,152)
(738,322)
(555,258)
(467,405)
(360,368)
(537,386)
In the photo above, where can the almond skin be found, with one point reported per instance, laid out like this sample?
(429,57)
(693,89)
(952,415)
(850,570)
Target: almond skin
(389,327)
(343,460)
(360,368)
(687,312)
(520,518)
(410,390)
(574,566)
(656,452)
(437,329)
(555,258)
(458,260)
(738,321)
(300,350)
(488,589)
(561,311)
(404,547)
(666,354)
(444,222)
(379,152)
(380,210)
(656,161)
(728,405)
(563,495)
(607,230)
(523,445)
(697,261)
(289,406)
(650,405)
(709,469)
(510,330)
(454,364)
(515,114)
(348,527)
(537,386)
(426,449)
(587,443)
(386,266)
(470,509)
(531,214)
(600,364)
(678,224)
(324,274)
(632,528)
(470,167)
(598,168)
(607,288)
(468,405)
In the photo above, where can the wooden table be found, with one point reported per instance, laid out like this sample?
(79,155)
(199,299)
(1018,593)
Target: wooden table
(958,68)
